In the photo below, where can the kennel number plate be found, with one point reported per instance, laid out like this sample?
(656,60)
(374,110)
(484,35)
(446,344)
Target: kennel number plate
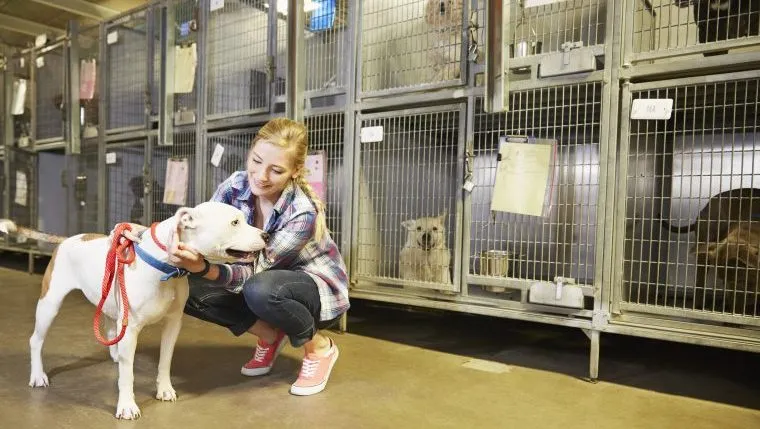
(652,108)
(372,134)
(216,158)
(111,158)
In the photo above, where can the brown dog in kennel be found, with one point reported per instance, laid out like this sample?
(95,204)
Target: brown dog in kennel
(727,243)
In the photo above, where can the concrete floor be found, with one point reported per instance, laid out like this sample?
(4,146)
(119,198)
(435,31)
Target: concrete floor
(398,369)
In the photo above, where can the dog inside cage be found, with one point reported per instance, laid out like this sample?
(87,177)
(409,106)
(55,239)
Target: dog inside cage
(666,25)
(407,199)
(693,203)
(407,43)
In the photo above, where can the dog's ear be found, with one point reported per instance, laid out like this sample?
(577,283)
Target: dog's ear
(443,215)
(408,224)
(185,218)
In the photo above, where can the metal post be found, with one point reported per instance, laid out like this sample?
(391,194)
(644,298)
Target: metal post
(201,108)
(497,59)
(296,77)
(74,145)
(166,105)
(102,119)
(8,137)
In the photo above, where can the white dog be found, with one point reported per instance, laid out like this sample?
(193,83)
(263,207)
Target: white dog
(425,256)
(155,290)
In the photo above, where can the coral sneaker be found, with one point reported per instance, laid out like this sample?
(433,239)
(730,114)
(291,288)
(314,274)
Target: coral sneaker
(264,356)
(315,370)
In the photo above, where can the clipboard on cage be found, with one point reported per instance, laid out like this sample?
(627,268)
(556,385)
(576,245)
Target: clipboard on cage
(525,175)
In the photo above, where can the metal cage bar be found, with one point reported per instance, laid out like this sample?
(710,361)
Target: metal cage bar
(172,170)
(508,251)
(237,59)
(687,208)
(408,200)
(126,194)
(126,70)
(410,45)
(666,29)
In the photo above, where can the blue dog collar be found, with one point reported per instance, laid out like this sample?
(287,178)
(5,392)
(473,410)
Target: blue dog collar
(169,271)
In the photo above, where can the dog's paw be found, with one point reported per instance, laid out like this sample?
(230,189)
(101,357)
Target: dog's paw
(127,410)
(38,380)
(166,393)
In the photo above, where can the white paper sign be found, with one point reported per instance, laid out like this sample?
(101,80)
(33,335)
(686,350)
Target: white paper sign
(216,4)
(175,188)
(19,96)
(20,198)
(522,176)
(372,134)
(185,62)
(112,37)
(317,173)
(216,157)
(652,108)
(40,40)
(111,158)
(40,62)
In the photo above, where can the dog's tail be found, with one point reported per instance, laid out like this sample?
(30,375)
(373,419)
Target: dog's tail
(9,227)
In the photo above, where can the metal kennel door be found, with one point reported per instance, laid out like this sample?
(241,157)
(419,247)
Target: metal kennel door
(409,165)
(701,166)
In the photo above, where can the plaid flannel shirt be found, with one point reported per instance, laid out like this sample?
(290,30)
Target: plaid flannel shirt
(291,244)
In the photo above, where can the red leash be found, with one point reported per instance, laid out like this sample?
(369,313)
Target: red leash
(122,252)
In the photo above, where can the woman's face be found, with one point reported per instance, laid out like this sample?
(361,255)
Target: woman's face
(269,169)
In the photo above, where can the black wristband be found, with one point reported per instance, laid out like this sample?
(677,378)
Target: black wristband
(204,271)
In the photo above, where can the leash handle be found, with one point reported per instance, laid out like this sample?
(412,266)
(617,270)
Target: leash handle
(122,252)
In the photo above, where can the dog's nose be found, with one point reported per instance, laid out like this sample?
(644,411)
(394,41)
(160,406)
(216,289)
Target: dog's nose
(426,237)
(265,237)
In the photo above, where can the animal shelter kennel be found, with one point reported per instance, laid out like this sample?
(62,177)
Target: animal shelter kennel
(638,118)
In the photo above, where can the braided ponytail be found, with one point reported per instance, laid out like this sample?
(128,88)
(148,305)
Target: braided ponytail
(321,227)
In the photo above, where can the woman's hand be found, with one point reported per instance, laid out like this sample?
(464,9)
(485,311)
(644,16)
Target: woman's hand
(185,257)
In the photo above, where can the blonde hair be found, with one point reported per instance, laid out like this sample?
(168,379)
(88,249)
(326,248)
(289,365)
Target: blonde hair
(293,136)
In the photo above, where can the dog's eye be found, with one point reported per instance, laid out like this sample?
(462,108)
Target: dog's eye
(419,228)
(235,222)
(435,228)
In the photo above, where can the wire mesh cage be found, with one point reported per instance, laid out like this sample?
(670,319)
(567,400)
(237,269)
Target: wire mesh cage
(326,41)
(53,190)
(518,248)
(411,44)
(23,189)
(173,176)
(89,81)
(83,189)
(127,59)
(327,169)
(408,228)
(126,196)
(48,85)
(691,202)
(185,51)
(237,58)
(233,147)
(668,28)
(20,99)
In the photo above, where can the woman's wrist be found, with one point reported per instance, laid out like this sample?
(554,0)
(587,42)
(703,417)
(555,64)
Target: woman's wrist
(203,271)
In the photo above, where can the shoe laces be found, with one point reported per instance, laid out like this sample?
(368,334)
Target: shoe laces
(260,354)
(309,368)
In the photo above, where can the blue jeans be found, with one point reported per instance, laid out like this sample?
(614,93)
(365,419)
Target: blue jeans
(288,300)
